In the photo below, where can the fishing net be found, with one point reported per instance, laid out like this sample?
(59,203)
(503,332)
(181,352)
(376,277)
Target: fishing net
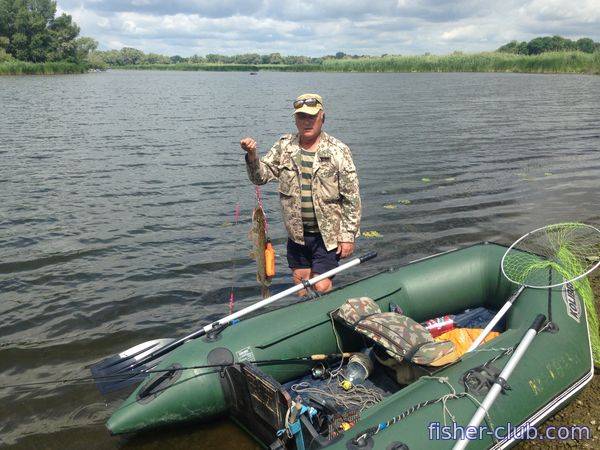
(569,250)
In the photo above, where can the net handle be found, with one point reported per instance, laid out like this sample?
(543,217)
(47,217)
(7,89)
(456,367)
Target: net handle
(594,267)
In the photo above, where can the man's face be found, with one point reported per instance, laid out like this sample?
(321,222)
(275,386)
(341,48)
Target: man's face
(309,127)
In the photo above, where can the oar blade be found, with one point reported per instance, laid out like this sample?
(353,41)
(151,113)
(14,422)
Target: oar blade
(124,368)
(125,379)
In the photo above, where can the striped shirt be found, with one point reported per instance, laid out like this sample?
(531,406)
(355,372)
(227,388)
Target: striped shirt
(309,220)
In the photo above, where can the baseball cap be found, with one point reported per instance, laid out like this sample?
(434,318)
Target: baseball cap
(308,104)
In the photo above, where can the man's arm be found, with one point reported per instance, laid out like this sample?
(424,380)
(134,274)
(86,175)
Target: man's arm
(350,198)
(265,169)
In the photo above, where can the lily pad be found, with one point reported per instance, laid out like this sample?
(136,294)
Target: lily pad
(405,201)
(548,174)
(371,234)
(449,179)
(390,206)
(426,180)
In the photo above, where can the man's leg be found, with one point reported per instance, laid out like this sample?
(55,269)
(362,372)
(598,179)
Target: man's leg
(299,260)
(323,260)
(299,275)
(324,285)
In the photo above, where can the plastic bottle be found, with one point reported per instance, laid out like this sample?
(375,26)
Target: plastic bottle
(269,259)
(358,369)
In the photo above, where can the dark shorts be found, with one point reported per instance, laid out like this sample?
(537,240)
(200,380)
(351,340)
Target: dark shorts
(312,255)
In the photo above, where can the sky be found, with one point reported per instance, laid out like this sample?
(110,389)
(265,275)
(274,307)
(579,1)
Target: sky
(317,28)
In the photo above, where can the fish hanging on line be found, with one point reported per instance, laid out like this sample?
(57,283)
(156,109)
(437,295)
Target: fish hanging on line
(263,250)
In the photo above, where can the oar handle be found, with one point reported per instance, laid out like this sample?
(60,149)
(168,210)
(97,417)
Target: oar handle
(367,256)
(538,323)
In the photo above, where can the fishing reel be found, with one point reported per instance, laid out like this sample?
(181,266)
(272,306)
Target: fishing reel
(320,372)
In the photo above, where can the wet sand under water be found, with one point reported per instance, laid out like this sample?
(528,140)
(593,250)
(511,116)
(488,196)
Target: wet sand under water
(583,411)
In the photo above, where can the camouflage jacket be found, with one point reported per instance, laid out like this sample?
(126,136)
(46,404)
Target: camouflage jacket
(335,191)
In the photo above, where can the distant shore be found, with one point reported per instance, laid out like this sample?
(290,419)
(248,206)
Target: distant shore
(550,62)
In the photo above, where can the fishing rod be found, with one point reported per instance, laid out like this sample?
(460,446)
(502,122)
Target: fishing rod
(299,359)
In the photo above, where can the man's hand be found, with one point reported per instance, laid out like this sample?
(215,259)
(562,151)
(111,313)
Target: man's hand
(249,145)
(345,249)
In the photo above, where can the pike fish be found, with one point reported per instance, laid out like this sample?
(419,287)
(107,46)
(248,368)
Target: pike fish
(258,235)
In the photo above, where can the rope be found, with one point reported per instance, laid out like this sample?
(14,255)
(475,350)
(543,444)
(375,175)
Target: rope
(369,432)
(359,397)
(382,426)
(339,347)
(446,397)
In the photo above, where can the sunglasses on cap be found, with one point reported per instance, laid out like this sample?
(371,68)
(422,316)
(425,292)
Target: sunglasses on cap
(306,101)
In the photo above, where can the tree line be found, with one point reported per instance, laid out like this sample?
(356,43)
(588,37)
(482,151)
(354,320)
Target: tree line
(30,31)
(128,56)
(550,44)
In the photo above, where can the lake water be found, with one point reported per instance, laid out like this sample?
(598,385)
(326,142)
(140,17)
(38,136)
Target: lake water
(118,191)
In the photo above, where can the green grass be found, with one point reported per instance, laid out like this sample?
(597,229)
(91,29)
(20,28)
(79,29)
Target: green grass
(48,68)
(552,62)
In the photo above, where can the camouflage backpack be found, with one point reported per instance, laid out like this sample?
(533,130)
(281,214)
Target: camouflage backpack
(402,337)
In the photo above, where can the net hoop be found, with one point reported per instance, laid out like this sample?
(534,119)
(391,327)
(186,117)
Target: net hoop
(525,236)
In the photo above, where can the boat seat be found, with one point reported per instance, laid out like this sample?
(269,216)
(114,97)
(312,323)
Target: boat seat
(403,338)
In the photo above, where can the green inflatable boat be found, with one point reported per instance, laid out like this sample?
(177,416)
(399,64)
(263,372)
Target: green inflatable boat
(259,371)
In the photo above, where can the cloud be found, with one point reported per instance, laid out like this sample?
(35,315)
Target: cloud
(206,8)
(315,28)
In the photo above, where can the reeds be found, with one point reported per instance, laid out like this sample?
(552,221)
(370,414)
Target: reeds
(551,62)
(47,68)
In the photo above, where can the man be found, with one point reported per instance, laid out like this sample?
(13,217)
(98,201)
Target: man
(318,189)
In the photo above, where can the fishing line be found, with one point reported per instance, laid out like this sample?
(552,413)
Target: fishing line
(236,218)
(259,200)
(85,380)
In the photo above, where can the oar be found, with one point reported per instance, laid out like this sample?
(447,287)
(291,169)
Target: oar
(141,355)
(497,387)
(495,320)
